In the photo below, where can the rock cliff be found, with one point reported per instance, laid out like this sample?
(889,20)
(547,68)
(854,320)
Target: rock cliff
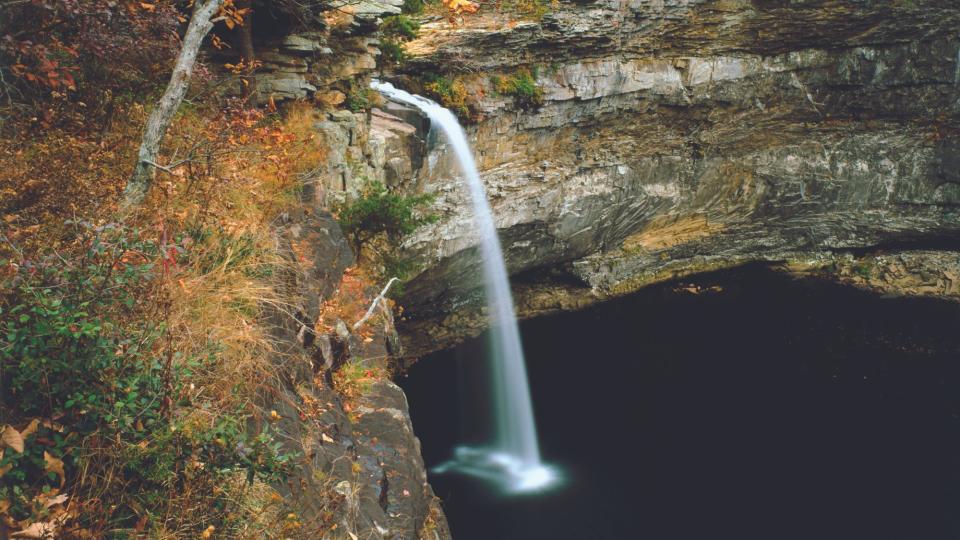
(362,474)
(682,135)
(673,137)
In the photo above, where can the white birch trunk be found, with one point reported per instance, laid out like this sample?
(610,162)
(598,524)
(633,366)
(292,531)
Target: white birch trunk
(145,170)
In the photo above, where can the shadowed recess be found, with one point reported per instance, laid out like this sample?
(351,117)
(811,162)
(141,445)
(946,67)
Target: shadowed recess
(740,404)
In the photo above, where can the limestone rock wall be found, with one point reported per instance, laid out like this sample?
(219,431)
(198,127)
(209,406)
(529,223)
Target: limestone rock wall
(309,50)
(675,136)
(363,147)
(681,135)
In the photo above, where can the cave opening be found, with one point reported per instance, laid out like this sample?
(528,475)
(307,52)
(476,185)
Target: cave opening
(743,403)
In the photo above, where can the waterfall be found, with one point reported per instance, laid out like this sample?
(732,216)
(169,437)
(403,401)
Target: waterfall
(513,459)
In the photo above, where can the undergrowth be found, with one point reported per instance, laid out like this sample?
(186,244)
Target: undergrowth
(354,378)
(108,403)
(534,9)
(452,93)
(413,7)
(133,355)
(395,31)
(360,97)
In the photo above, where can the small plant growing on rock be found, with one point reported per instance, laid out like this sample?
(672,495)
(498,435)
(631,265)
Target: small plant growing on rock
(400,27)
(863,270)
(355,378)
(451,93)
(523,86)
(359,97)
(534,9)
(413,7)
(377,211)
(391,52)
(395,31)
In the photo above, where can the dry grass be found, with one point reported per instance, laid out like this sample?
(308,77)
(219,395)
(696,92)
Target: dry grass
(350,303)
(232,280)
(355,378)
(222,278)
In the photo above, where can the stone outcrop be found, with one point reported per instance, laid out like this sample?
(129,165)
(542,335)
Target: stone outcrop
(683,135)
(363,147)
(315,51)
(675,136)
(362,474)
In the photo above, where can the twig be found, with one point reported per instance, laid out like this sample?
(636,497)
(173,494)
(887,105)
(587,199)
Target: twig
(374,304)
(157,165)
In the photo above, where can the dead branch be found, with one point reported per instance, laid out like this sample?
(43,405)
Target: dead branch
(373,306)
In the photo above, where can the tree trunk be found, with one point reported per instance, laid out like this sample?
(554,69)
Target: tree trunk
(245,45)
(145,170)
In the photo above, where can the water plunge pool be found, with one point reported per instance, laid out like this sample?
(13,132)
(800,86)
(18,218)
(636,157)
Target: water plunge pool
(761,407)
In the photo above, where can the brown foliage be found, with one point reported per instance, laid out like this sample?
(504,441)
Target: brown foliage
(227,173)
(66,63)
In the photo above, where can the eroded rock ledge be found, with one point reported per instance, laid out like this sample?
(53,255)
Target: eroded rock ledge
(680,136)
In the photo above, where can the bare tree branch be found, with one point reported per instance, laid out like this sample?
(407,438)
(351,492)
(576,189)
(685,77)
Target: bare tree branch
(373,306)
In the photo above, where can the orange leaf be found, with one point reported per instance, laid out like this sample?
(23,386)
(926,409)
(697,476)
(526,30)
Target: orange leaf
(461,6)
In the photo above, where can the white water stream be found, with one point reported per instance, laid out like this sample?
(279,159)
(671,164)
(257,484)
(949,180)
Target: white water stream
(513,459)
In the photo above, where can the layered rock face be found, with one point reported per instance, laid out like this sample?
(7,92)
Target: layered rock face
(361,472)
(308,50)
(683,135)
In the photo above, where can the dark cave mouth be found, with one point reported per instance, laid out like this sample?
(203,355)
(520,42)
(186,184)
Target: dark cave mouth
(742,402)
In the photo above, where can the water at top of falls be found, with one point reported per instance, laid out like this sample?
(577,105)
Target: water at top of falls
(513,460)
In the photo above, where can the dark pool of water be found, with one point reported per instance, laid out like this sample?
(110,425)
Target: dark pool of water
(773,409)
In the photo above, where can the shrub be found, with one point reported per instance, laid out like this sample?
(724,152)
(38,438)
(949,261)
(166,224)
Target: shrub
(57,340)
(522,85)
(413,7)
(378,211)
(400,27)
(359,97)
(66,62)
(392,52)
(451,93)
(395,30)
(84,368)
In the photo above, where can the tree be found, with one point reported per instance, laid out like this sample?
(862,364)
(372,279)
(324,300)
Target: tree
(244,32)
(145,169)
(377,210)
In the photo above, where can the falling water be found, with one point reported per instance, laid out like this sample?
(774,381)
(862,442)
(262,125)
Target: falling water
(513,460)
